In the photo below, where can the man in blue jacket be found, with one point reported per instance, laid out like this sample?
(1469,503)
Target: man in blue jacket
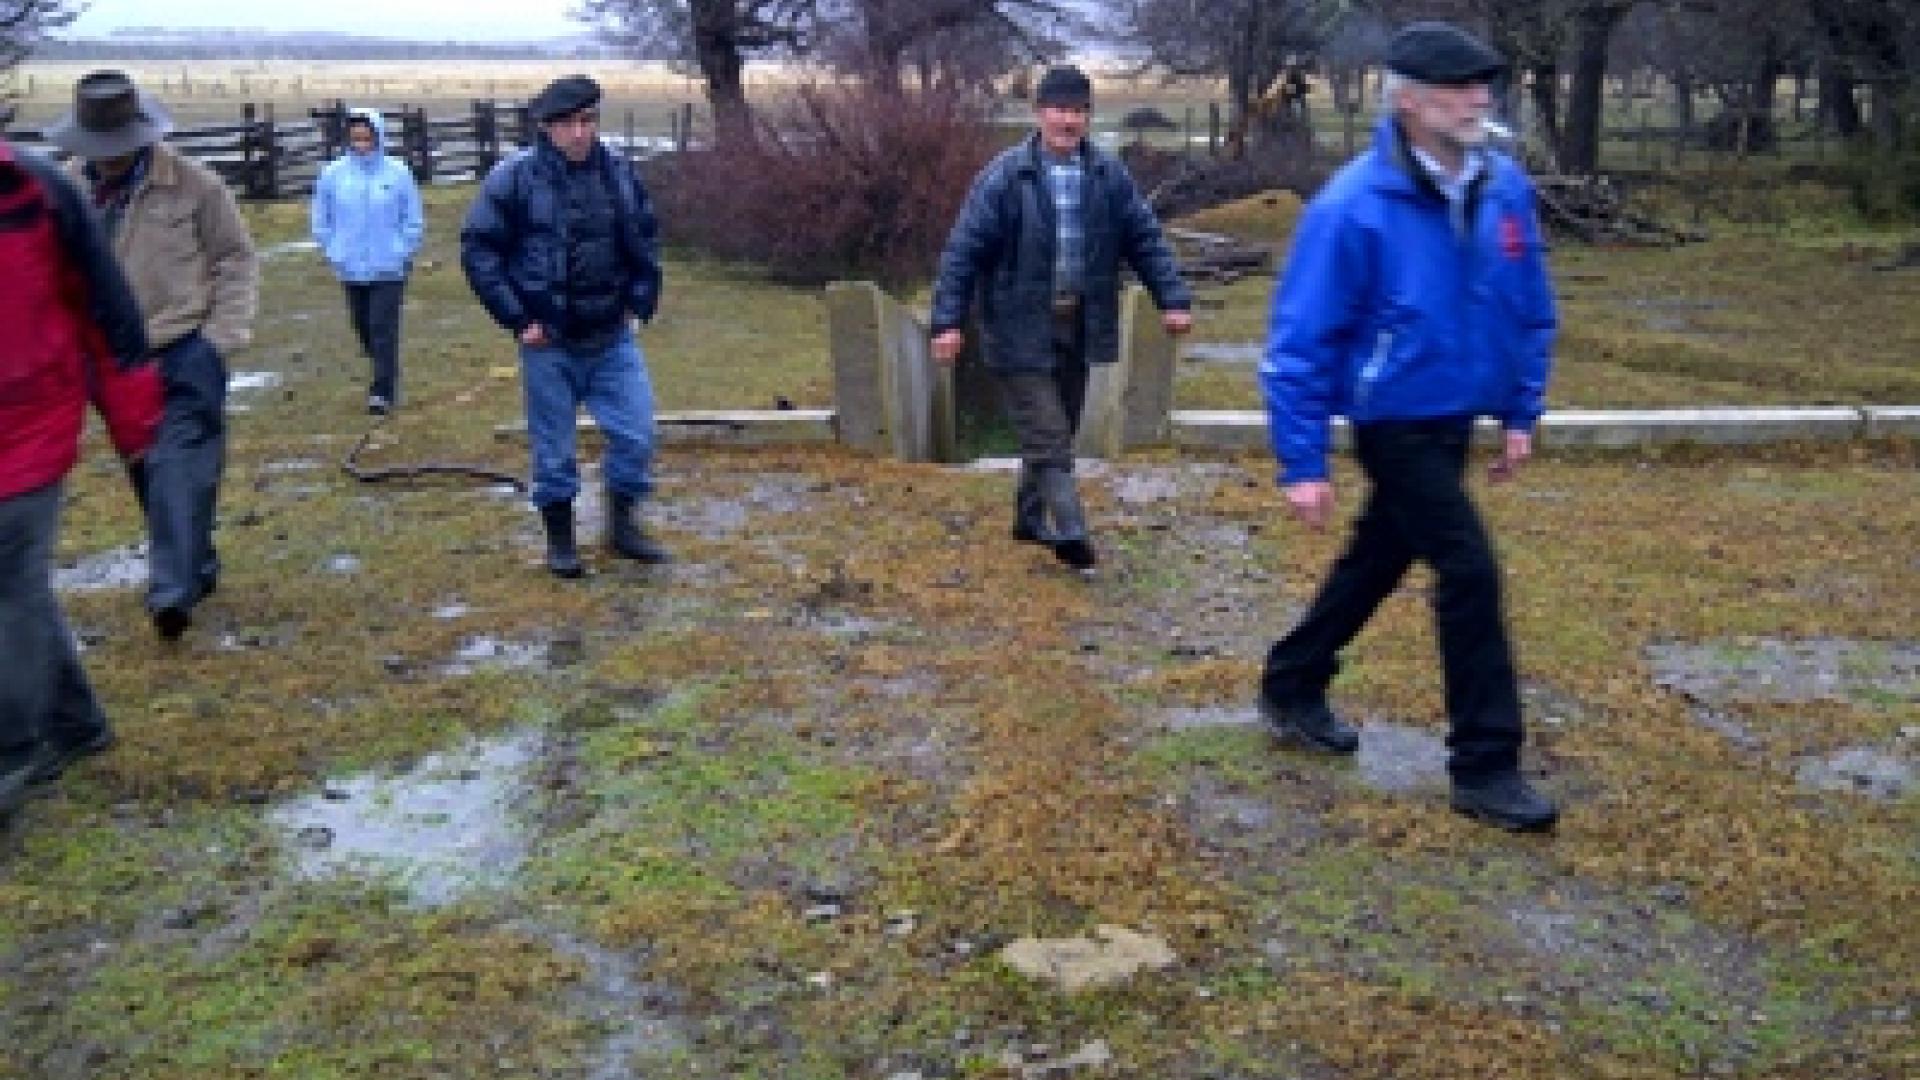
(1041,237)
(561,247)
(368,222)
(1415,300)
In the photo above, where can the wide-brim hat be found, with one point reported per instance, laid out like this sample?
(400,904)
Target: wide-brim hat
(111,118)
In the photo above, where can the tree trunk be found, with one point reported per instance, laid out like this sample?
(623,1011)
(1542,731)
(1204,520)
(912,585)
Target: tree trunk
(716,45)
(1543,86)
(1887,125)
(1839,111)
(1593,31)
(1683,102)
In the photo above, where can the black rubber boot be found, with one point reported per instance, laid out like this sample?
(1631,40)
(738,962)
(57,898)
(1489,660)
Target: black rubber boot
(1071,545)
(1030,511)
(563,556)
(625,537)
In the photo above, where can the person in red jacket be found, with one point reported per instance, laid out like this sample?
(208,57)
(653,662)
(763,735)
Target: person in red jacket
(70,332)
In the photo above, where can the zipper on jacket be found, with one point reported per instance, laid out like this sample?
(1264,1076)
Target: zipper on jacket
(1382,348)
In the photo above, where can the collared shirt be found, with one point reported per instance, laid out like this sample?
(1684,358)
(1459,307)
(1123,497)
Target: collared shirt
(1454,186)
(111,195)
(1065,179)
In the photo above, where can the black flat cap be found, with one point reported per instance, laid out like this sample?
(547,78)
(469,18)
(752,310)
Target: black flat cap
(1064,87)
(564,97)
(1442,54)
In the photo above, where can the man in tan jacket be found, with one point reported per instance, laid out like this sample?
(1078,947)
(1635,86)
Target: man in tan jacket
(178,233)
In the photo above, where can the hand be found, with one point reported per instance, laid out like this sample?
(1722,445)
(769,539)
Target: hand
(1176,322)
(947,345)
(1311,501)
(1514,453)
(534,336)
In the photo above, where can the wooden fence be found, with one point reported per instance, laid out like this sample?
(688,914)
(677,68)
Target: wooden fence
(264,157)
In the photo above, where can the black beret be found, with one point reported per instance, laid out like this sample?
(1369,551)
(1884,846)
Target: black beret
(1064,87)
(564,97)
(1442,54)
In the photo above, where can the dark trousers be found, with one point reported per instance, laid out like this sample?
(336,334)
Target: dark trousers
(44,695)
(183,475)
(1044,408)
(1418,509)
(375,308)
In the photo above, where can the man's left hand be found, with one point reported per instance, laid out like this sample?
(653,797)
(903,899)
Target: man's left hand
(1176,322)
(1514,452)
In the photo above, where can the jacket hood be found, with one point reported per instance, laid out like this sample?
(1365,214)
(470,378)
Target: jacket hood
(373,119)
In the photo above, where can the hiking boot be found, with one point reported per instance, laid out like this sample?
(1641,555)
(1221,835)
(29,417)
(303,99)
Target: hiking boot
(1505,799)
(1077,554)
(1312,724)
(563,556)
(172,622)
(626,537)
(62,754)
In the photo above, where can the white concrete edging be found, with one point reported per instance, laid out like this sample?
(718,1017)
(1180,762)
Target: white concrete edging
(1603,428)
(723,427)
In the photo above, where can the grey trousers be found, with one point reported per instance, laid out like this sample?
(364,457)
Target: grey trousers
(1044,408)
(44,695)
(183,475)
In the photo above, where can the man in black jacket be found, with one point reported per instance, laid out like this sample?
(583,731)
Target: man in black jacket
(1041,238)
(560,246)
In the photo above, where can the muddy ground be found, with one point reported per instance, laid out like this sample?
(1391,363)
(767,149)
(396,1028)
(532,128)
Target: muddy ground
(401,805)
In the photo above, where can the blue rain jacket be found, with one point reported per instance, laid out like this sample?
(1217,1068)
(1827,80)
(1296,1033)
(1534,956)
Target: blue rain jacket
(366,212)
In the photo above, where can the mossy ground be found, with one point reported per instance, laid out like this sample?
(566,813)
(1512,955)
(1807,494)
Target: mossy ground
(855,688)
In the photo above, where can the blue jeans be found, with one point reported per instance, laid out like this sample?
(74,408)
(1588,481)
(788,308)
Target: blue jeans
(45,696)
(613,385)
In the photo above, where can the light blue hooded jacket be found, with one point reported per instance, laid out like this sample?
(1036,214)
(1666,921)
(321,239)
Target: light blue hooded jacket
(366,212)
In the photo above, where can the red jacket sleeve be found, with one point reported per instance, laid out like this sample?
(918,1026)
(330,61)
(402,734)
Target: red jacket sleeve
(130,400)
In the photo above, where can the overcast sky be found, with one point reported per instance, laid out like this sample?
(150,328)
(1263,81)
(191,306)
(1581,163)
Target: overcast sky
(432,20)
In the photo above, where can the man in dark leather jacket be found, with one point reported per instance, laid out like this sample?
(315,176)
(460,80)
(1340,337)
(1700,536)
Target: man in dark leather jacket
(1041,239)
(560,246)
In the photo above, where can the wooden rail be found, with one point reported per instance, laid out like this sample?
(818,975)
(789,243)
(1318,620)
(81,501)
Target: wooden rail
(264,157)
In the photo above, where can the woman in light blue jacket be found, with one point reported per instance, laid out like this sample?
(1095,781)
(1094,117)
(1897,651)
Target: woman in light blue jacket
(368,221)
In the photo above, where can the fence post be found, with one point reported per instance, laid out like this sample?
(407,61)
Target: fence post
(423,132)
(270,152)
(248,118)
(629,136)
(484,150)
(1213,129)
(686,126)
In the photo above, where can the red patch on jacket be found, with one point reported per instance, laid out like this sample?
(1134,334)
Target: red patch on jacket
(1513,238)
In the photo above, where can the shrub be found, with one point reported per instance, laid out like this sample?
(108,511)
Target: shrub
(845,181)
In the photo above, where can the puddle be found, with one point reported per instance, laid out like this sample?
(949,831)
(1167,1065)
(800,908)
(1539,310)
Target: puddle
(443,830)
(1397,758)
(847,624)
(1862,770)
(1208,717)
(616,998)
(484,653)
(241,382)
(290,247)
(1224,352)
(454,610)
(121,568)
(715,517)
(293,465)
(1767,670)
(1136,488)
(343,565)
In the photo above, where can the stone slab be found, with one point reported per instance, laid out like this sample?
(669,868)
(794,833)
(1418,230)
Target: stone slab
(1239,430)
(1893,420)
(721,427)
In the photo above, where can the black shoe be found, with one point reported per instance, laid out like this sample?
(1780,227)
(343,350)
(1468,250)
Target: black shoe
(63,755)
(171,622)
(1026,533)
(209,584)
(1077,554)
(1507,800)
(625,537)
(378,406)
(1313,724)
(563,556)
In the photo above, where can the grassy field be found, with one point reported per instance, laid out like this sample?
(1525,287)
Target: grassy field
(772,812)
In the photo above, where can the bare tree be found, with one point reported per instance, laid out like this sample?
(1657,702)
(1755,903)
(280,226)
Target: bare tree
(952,40)
(1249,42)
(24,22)
(714,37)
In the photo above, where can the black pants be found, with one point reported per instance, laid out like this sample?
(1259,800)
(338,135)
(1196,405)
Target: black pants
(183,475)
(1418,509)
(375,308)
